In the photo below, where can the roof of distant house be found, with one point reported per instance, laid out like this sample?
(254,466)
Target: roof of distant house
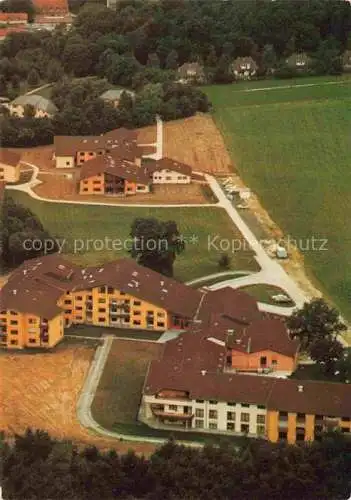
(244,61)
(37,101)
(13,16)
(119,138)
(11,29)
(115,165)
(51,6)
(192,67)
(8,157)
(298,58)
(114,94)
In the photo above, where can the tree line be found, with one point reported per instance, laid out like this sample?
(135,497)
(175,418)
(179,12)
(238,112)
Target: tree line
(140,45)
(36,466)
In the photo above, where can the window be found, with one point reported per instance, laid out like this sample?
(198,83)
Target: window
(245,405)
(102,289)
(213,402)
(101,320)
(79,318)
(230,415)
(160,324)
(14,342)
(173,407)
(32,341)
(168,178)
(301,416)
(136,322)
(67,163)
(261,419)
(212,425)
(121,293)
(199,424)
(14,332)
(230,426)
(68,302)
(199,413)
(283,414)
(137,303)
(79,308)
(274,362)
(261,407)
(137,313)
(160,315)
(13,322)
(68,311)
(260,430)
(245,417)
(101,310)
(199,401)
(31,321)
(345,419)
(110,289)
(97,189)
(231,403)
(212,414)
(79,297)
(102,301)
(244,428)
(283,435)
(263,361)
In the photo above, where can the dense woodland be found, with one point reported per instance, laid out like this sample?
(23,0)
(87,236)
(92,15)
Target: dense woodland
(39,467)
(141,44)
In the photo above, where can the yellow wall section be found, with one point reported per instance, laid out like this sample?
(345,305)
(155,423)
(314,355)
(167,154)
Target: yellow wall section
(291,428)
(272,425)
(309,428)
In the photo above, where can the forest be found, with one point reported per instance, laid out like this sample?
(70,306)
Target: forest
(38,467)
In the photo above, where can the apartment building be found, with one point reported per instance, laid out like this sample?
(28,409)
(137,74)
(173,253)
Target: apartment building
(111,174)
(73,151)
(9,166)
(189,388)
(47,294)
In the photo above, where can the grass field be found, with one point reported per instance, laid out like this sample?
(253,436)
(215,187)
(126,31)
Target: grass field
(90,226)
(292,147)
(264,293)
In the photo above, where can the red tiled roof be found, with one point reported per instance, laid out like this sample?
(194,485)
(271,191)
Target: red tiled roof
(117,165)
(169,164)
(13,16)
(51,6)
(13,29)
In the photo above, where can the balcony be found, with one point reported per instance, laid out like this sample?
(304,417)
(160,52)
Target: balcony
(158,411)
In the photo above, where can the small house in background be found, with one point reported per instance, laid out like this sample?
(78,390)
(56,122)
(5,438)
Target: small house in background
(9,166)
(192,72)
(113,96)
(244,68)
(346,60)
(299,61)
(42,106)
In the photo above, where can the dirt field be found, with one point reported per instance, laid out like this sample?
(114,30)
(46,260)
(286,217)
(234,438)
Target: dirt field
(118,396)
(41,391)
(57,187)
(197,142)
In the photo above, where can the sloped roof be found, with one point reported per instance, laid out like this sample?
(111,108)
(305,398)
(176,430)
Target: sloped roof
(37,101)
(115,165)
(169,164)
(13,16)
(113,94)
(9,157)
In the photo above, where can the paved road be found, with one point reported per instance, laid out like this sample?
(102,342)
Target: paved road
(87,396)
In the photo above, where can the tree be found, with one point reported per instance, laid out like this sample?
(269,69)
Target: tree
(315,321)
(156,244)
(326,352)
(153,60)
(224,261)
(54,71)
(122,69)
(172,60)
(33,78)
(327,58)
(269,58)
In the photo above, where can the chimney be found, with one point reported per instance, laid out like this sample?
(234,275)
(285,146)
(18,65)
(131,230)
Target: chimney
(300,388)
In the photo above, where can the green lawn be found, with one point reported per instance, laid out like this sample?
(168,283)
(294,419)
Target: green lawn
(292,147)
(263,293)
(95,227)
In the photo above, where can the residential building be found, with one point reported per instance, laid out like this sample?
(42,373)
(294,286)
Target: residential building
(110,174)
(9,165)
(191,72)
(244,68)
(189,388)
(13,18)
(73,151)
(168,171)
(299,61)
(113,96)
(10,29)
(42,107)
(263,346)
(122,293)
